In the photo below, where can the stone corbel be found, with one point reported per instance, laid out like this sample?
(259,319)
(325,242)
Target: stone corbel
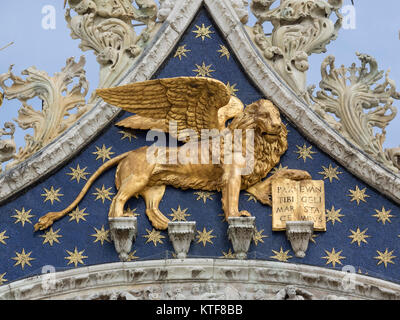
(123,234)
(240,233)
(299,233)
(181,234)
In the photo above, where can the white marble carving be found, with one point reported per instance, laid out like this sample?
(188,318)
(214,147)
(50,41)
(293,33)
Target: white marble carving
(8,147)
(181,234)
(299,234)
(240,233)
(123,234)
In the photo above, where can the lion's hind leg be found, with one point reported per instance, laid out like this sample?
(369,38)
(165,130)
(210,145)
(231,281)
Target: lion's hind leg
(152,197)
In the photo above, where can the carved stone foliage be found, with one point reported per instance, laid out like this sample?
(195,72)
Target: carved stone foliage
(61,106)
(106,28)
(354,104)
(301,27)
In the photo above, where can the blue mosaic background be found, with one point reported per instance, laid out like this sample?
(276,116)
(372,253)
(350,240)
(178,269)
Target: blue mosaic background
(17,239)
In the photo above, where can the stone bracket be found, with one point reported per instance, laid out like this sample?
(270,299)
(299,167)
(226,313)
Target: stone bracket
(299,234)
(181,234)
(123,234)
(240,233)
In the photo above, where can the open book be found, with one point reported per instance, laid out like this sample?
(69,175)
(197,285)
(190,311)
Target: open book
(298,201)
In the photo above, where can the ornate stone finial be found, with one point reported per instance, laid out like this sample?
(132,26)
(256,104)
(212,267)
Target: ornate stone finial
(299,234)
(301,28)
(181,234)
(123,233)
(240,232)
(359,107)
(7,146)
(57,103)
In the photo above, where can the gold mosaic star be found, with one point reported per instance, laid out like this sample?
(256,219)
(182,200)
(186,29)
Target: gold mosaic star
(75,257)
(3,237)
(103,153)
(278,169)
(23,259)
(51,237)
(203,32)
(224,52)
(313,237)
(333,215)
(250,197)
(181,51)
(359,236)
(132,256)
(358,195)
(205,236)
(103,193)
(154,236)
(131,212)
(78,174)
(52,195)
(232,89)
(179,214)
(330,173)
(258,236)
(78,215)
(383,215)
(224,218)
(204,195)
(2,279)
(23,216)
(203,70)
(228,255)
(101,235)
(127,135)
(333,257)
(282,256)
(305,152)
(385,257)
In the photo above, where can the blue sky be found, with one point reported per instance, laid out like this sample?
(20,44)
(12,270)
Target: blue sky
(376,33)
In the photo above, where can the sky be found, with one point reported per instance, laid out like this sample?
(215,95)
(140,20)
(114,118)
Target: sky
(376,33)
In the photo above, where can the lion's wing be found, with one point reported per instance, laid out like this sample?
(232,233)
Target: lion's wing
(191,102)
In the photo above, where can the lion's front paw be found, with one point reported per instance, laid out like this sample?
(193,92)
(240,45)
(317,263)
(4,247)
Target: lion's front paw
(244,213)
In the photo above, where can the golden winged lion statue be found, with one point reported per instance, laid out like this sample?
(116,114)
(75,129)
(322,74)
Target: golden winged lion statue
(194,104)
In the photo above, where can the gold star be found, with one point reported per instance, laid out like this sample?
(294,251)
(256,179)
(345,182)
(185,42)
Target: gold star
(278,169)
(2,279)
(203,70)
(228,255)
(3,237)
(103,194)
(23,216)
(333,257)
(333,215)
(204,195)
(358,236)
(131,212)
(281,256)
(78,173)
(383,215)
(330,173)
(75,257)
(304,152)
(132,256)
(154,236)
(224,52)
(52,195)
(313,237)
(385,257)
(103,153)
(205,236)
(258,236)
(181,51)
(101,235)
(51,236)
(23,259)
(203,32)
(358,195)
(179,214)
(224,218)
(232,89)
(78,215)
(250,197)
(127,135)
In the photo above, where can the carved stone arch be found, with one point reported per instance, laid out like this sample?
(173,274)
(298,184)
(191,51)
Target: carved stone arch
(274,88)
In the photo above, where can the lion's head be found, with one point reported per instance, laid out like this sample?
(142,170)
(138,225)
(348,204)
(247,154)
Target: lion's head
(270,138)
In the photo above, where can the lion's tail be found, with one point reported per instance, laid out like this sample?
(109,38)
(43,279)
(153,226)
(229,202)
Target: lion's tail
(88,184)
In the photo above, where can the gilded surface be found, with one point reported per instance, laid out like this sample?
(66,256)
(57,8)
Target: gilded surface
(190,103)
